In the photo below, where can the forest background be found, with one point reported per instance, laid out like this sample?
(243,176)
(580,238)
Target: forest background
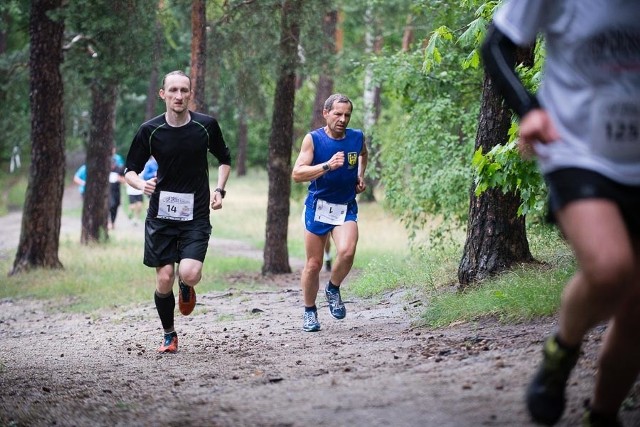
(81,76)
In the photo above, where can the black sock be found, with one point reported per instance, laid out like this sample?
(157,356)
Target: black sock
(312,308)
(333,288)
(165,304)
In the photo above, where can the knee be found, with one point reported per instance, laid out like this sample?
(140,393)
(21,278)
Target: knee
(610,277)
(191,276)
(165,276)
(347,255)
(313,266)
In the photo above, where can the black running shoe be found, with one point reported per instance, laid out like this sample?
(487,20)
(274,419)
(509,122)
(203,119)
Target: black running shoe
(592,419)
(546,392)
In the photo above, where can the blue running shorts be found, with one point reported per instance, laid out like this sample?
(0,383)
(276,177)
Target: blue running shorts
(320,228)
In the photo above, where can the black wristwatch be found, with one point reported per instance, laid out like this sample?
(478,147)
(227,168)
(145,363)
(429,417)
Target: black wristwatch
(326,166)
(221,191)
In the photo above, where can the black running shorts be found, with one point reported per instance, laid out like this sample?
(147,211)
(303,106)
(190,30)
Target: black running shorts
(168,242)
(571,184)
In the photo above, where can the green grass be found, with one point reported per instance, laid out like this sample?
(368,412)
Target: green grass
(520,294)
(106,276)
(523,293)
(112,275)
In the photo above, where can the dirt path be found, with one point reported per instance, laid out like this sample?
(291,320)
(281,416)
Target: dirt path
(244,361)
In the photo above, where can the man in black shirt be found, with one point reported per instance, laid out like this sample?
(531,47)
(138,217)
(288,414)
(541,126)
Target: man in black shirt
(177,228)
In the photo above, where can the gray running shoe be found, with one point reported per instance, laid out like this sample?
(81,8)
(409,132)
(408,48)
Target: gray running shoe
(336,306)
(310,321)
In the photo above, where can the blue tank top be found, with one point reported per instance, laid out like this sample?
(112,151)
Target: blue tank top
(339,185)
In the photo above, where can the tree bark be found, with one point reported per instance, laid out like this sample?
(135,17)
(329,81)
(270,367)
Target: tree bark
(324,89)
(371,101)
(40,233)
(276,254)
(154,85)
(243,143)
(95,207)
(198,54)
(496,235)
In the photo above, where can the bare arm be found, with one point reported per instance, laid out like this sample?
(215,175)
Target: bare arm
(134,180)
(304,171)
(223,175)
(363,160)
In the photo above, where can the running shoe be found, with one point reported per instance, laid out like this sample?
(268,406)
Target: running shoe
(546,392)
(310,321)
(186,298)
(169,344)
(336,306)
(591,419)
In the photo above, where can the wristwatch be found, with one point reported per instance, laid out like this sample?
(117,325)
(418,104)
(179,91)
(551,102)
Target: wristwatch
(326,167)
(221,191)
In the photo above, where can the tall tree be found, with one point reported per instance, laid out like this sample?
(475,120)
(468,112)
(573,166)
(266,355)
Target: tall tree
(117,36)
(95,206)
(154,84)
(40,234)
(276,254)
(496,234)
(198,54)
(324,88)
(371,96)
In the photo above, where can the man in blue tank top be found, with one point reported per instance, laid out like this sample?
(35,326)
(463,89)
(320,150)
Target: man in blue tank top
(333,160)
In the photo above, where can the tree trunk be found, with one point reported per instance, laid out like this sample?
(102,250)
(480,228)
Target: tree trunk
(243,142)
(154,86)
(276,254)
(40,233)
(324,89)
(198,54)
(243,94)
(496,235)
(95,207)
(371,101)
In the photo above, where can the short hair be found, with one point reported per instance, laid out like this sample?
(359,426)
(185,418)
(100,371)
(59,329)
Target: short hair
(176,73)
(339,98)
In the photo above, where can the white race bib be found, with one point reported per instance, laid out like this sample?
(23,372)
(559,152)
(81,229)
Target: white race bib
(175,206)
(330,213)
(615,129)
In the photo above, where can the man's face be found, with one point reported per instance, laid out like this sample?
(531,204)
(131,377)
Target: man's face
(338,118)
(176,93)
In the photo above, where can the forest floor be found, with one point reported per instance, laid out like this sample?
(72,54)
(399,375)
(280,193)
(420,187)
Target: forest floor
(244,360)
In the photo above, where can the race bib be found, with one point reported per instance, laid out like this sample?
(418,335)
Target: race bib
(615,131)
(175,206)
(330,213)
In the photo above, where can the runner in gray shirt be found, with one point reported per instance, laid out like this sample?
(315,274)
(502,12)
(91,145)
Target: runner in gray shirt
(584,127)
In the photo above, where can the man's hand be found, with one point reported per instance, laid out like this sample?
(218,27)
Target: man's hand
(150,186)
(536,126)
(336,161)
(360,185)
(216,201)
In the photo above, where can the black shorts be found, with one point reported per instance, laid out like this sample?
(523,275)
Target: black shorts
(168,242)
(571,184)
(135,198)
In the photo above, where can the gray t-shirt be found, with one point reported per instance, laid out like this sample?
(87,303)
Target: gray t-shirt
(591,83)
